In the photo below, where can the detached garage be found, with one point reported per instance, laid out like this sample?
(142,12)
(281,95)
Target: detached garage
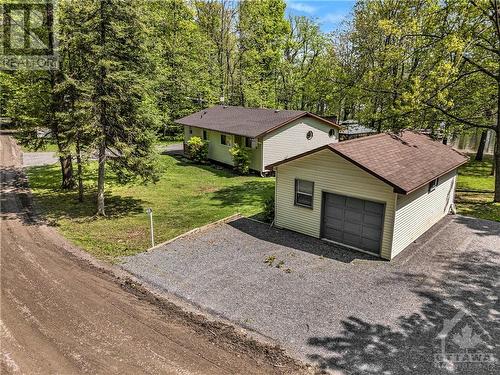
(375,194)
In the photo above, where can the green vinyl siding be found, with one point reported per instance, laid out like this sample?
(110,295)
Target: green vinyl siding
(220,152)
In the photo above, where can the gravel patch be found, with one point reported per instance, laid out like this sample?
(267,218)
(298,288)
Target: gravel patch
(334,307)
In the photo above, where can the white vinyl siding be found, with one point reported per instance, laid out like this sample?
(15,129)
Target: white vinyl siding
(330,173)
(290,140)
(420,210)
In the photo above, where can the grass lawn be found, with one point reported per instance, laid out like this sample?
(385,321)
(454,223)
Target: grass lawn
(474,177)
(187,196)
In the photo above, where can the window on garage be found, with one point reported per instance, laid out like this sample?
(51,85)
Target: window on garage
(433,184)
(304,193)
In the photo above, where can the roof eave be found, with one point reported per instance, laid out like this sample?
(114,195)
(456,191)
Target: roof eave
(220,131)
(440,175)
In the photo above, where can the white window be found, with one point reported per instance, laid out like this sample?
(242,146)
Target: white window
(331,133)
(304,193)
(433,184)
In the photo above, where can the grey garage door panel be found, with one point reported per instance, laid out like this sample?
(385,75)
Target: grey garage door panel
(354,222)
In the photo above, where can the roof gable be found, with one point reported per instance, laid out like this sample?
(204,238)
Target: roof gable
(249,122)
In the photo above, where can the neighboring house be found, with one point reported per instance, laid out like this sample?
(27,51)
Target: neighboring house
(376,194)
(351,129)
(269,135)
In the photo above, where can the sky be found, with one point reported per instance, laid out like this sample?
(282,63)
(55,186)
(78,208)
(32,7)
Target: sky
(330,13)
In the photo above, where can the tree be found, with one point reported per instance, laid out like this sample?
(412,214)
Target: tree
(34,102)
(217,20)
(183,60)
(429,64)
(262,30)
(304,46)
(123,114)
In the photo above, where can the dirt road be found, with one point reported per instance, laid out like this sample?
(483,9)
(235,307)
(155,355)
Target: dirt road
(59,314)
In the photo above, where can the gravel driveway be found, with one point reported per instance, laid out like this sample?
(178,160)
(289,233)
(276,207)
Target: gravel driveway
(34,159)
(337,308)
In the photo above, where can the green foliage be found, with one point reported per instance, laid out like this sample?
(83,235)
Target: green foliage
(241,159)
(269,206)
(262,32)
(197,149)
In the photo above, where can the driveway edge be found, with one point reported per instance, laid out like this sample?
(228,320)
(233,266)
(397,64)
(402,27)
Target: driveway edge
(196,230)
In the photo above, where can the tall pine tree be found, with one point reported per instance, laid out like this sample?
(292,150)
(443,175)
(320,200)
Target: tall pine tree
(123,114)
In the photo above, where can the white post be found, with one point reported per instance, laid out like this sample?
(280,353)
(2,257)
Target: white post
(150,213)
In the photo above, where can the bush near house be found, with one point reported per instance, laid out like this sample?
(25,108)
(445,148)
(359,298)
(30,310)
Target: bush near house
(268,213)
(197,149)
(241,159)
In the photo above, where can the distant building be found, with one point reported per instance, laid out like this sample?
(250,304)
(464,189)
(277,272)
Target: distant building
(351,129)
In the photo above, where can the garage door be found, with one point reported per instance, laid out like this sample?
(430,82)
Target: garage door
(354,222)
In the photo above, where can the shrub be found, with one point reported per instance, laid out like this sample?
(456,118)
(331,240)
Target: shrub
(268,213)
(197,149)
(241,159)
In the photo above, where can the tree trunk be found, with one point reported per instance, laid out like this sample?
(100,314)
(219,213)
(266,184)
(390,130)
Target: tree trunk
(68,182)
(65,159)
(496,163)
(102,117)
(482,144)
(100,179)
(80,170)
(496,153)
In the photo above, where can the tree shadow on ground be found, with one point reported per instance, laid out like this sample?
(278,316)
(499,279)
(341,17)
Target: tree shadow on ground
(54,204)
(481,227)
(249,193)
(218,169)
(55,207)
(413,345)
(299,241)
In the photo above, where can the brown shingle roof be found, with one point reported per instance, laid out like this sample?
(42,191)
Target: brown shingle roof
(406,161)
(249,122)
